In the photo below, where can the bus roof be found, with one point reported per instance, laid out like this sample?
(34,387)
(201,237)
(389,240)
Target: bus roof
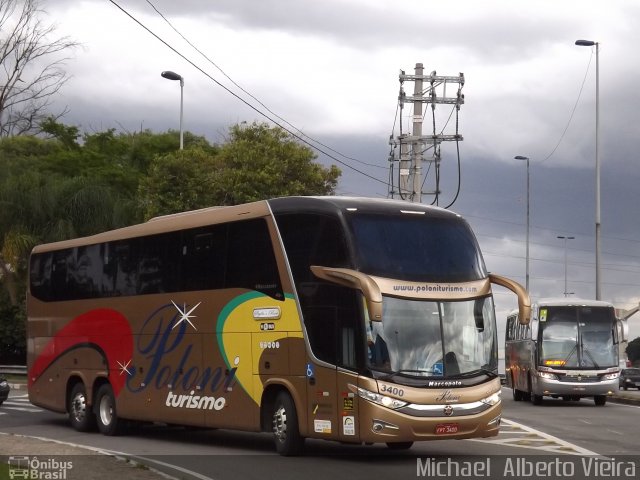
(217,214)
(564,302)
(570,302)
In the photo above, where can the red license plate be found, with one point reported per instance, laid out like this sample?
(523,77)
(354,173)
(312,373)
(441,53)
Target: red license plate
(444,428)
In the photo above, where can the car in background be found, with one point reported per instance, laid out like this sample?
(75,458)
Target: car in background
(4,389)
(630,378)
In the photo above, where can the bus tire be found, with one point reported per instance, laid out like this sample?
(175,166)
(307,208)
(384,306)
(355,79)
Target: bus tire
(517,394)
(81,416)
(399,445)
(600,400)
(105,412)
(286,433)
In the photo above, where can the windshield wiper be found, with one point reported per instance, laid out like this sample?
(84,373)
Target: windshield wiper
(404,373)
(472,373)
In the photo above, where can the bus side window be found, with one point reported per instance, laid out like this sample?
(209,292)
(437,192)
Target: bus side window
(251,260)
(59,280)
(203,258)
(40,276)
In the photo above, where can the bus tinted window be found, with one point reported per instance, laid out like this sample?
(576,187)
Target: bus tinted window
(251,262)
(237,255)
(416,248)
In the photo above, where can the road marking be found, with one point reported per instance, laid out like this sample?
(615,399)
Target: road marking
(515,434)
(20,404)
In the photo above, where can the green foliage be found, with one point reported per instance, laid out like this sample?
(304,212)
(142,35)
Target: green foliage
(633,351)
(12,333)
(177,182)
(257,162)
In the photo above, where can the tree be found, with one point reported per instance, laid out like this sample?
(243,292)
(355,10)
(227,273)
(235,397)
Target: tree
(32,62)
(257,162)
(179,181)
(633,351)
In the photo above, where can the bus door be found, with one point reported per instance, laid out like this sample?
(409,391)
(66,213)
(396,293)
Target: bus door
(340,342)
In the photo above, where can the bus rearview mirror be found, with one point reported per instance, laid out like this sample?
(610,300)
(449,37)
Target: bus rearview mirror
(524,301)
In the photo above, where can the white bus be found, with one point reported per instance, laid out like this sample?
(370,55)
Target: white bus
(568,350)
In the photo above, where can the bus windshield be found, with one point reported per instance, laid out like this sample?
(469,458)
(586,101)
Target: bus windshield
(434,339)
(573,337)
(416,248)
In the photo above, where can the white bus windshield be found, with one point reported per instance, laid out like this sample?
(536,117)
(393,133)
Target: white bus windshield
(435,339)
(580,337)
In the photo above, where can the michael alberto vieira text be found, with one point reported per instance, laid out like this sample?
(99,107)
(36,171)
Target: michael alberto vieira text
(520,467)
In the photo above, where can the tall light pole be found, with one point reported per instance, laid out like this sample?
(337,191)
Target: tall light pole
(590,43)
(520,157)
(566,292)
(168,74)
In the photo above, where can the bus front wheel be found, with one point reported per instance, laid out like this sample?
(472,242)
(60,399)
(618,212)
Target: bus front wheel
(399,445)
(286,434)
(105,410)
(80,415)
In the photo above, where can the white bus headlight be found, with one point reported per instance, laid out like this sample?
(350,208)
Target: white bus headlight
(612,376)
(547,375)
(492,399)
(378,399)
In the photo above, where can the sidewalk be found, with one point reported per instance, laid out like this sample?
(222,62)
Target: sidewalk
(58,460)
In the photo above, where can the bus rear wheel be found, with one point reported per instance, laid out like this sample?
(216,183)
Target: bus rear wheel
(600,400)
(105,410)
(517,394)
(286,434)
(80,415)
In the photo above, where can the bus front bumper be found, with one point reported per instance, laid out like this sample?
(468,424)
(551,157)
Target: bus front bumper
(576,387)
(380,424)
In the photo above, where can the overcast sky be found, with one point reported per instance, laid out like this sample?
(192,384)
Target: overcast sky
(330,68)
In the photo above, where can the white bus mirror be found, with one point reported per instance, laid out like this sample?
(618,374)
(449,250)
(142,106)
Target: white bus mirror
(623,330)
(524,301)
(357,280)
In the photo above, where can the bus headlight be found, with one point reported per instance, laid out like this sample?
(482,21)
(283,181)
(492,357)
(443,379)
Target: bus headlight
(611,376)
(548,376)
(491,400)
(378,399)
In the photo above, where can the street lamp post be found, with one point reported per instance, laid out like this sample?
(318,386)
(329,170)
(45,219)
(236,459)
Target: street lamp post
(590,43)
(520,157)
(168,74)
(566,291)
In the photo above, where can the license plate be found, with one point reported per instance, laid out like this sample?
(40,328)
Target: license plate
(444,428)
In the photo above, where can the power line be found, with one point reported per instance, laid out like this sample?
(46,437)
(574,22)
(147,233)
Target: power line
(572,113)
(257,110)
(255,98)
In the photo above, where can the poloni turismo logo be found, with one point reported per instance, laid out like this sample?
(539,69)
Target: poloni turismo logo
(33,468)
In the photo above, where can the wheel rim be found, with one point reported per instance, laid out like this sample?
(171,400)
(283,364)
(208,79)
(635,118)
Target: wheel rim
(79,407)
(280,424)
(106,410)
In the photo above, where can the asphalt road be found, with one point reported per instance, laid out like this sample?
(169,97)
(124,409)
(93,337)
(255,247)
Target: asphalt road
(554,430)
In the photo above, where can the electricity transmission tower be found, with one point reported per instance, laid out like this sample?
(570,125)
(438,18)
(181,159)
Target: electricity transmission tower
(407,180)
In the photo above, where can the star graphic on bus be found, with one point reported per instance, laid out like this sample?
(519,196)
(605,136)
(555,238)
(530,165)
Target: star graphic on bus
(184,315)
(124,367)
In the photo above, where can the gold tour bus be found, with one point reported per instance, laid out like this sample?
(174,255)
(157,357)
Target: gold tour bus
(569,350)
(347,319)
